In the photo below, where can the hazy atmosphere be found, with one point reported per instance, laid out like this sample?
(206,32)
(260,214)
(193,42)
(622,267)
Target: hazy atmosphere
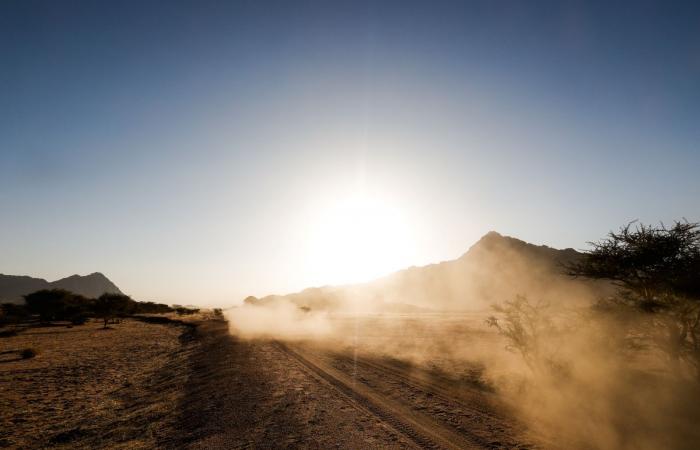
(349,225)
(200,152)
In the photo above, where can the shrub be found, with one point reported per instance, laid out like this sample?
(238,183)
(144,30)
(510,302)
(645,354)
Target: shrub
(110,306)
(12,314)
(151,308)
(529,331)
(181,310)
(57,304)
(79,320)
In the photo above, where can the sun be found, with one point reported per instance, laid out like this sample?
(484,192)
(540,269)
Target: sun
(357,238)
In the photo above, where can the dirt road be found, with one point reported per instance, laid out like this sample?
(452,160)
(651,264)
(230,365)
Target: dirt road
(173,386)
(269,394)
(431,412)
(254,394)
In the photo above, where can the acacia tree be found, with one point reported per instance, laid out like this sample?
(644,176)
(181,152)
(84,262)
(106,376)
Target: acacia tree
(525,326)
(57,304)
(108,306)
(657,271)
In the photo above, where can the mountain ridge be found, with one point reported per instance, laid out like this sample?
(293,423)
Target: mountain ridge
(493,269)
(13,287)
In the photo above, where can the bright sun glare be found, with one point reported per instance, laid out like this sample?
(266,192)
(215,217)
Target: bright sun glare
(359,238)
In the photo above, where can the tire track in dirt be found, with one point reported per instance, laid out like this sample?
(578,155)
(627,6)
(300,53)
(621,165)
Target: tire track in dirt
(251,394)
(418,427)
(433,386)
(500,429)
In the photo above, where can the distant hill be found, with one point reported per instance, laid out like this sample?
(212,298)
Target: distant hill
(13,287)
(495,269)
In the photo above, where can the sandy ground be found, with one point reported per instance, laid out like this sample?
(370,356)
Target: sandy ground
(253,394)
(172,386)
(92,388)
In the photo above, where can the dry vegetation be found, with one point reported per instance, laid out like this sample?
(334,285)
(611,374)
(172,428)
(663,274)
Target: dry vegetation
(89,387)
(621,373)
(150,385)
(617,371)
(376,381)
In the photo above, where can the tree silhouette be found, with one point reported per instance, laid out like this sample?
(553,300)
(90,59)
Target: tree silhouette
(657,271)
(109,306)
(57,304)
(524,325)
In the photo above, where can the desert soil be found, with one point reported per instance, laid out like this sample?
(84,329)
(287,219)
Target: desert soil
(166,386)
(90,387)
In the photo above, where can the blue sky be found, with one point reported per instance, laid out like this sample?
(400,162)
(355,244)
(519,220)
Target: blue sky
(190,150)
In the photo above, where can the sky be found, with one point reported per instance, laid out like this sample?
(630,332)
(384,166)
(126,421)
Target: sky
(199,152)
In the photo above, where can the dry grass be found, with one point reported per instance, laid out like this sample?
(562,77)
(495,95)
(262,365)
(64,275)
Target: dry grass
(92,388)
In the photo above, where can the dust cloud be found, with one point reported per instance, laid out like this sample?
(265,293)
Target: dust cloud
(282,320)
(587,386)
(578,378)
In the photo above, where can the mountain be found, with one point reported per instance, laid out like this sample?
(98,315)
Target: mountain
(92,285)
(13,287)
(495,269)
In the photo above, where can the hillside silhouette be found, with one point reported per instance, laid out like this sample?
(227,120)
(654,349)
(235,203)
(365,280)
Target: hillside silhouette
(495,268)
(13,287)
